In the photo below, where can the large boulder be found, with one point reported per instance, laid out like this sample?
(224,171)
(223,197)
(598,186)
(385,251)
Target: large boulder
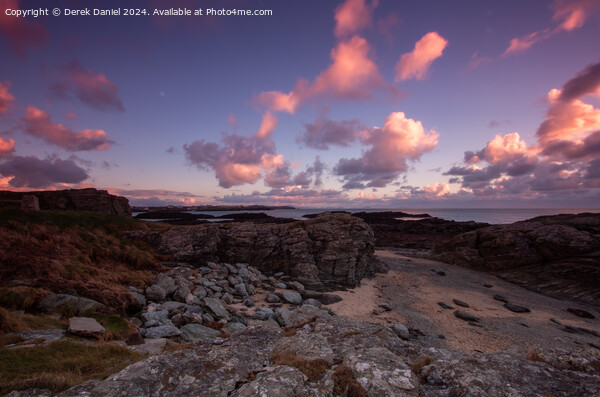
(331,250)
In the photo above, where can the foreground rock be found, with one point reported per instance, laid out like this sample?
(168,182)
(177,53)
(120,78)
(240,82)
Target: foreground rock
(380,363)
(86,326)
(557,255)
(329,251)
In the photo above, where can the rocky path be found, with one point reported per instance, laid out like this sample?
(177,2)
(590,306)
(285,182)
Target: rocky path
(414,288)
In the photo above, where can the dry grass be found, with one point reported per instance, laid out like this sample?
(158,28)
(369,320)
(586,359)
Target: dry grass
(345,383)
(13,322)
(60,365)
(291,331)
(313,369)
(418,365)
(83,253)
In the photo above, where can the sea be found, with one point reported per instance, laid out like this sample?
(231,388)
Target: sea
(487,215)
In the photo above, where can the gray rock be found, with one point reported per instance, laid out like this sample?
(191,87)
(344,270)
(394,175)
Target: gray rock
(460,303)
(216,288)
(233,327)
(282,316)
(139,300)
(281,285)
(445,305)
(241,290)
(263,313)
(516,308)
(381,372)
(250,289)
(151,346)
(279,381)
(215,308)
(466,316)
(162,331)
(386,306)
(159,315)
(156,293)
(191,299)
(46,335)
(307,345)
(581,313)
(296,285)
(164,281)
(200,292)
(304,314)
(278,274)
(86,326)
(272,298)
(401,331)
(181,293)
(500,298)
(207,318)
(172,306)
(313,302)
(292,297)
(248,302)
(227,298)
(194,332)
(64,303)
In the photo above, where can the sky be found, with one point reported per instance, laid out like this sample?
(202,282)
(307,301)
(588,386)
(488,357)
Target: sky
(325,104)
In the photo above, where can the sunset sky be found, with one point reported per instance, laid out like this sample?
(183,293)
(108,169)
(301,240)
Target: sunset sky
(356,103)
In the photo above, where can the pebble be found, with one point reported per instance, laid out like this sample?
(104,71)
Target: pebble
(500,298)
(445,305)
(466,316)
(386,306)
(516,308)
(581,313)
(460,303)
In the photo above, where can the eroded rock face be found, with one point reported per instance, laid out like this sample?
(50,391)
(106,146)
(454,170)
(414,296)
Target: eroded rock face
(558,255)
(330,250)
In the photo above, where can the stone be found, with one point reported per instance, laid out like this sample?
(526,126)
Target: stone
(581,313)
(292,297)
(156,293)
(296,285)
(282,316)
(386,306)
(401,331)
(139,301)
(460,303)
(263,313)
(215,308)
(466,316)
(278,274)
(304,314)
(151,346)
(162,331)
(158,315)
(181,293)
(313,302)
(309,346)
(381,372)
(281,285)
(248,302)
(516,308)
(250,288)
(445,305)
(500,298)
(191,299)
(234,327)
(200,292)
(194,332)
(272,298)
(172,306)
(64,303)
(325,299)
(241,290)
(86,326)
(227,298)
(279,381)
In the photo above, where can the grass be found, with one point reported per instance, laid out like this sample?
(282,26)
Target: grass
(313,369)
(60,365)
(14,322)
(82,253)
(418,365)
(345,383)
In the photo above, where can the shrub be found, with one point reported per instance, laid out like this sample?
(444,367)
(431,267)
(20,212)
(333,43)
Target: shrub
(345,383)
(313,369)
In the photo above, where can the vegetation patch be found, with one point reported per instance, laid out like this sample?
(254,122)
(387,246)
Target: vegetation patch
(345,383)
(15,322)
(60,365)
(313,369)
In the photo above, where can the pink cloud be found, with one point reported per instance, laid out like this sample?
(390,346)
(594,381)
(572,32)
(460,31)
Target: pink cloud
(71,116)
(569,14)
(267,126)
(92,89)
(415,64)
(352,75)
(6,98)
(19,32)
(477,61)
(437,190)
(399,141)
(7,146)
(386,26)
(37,123)
(33,172)
(352,16)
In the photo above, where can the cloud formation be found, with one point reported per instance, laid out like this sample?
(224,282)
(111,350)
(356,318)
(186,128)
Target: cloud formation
(352,75)
(30,171)
(37,123)
(93,89)
(568,15)
(352,16)
(6,98)
(399,141)
(324,132)
(415,64)
(267,126)
(21,34)
(7,146)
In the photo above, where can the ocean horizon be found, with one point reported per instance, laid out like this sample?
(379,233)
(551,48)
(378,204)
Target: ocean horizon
(486,215)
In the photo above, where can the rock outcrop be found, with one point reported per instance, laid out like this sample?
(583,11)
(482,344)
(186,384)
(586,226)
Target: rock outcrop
(331,250)
(92,200)
(558,254)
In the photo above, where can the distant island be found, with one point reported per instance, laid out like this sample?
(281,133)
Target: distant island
(215,208)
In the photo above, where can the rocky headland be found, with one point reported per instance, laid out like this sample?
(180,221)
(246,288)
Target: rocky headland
(303,308)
